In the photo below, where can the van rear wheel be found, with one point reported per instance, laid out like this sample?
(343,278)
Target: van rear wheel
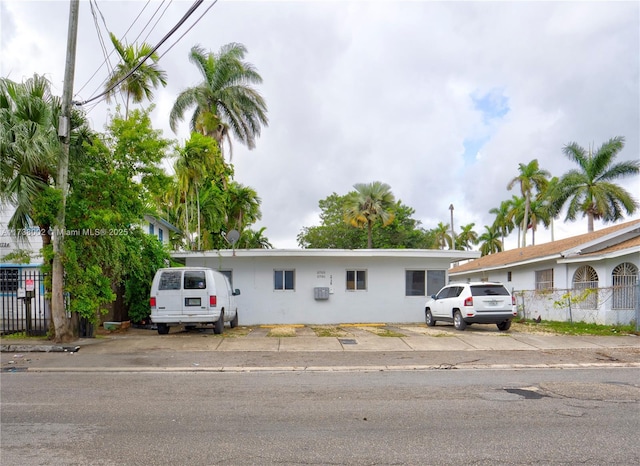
(163,329)
(218,327)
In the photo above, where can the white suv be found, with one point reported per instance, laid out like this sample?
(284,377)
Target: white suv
(469,303)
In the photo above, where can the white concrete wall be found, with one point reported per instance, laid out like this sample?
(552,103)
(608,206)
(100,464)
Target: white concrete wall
(384,299)
(29,240)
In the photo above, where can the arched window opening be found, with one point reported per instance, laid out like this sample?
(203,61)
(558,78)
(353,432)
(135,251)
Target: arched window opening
(624,279)
(585,287)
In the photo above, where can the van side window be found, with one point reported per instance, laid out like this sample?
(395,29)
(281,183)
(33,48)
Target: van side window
(170,281)
(194,280)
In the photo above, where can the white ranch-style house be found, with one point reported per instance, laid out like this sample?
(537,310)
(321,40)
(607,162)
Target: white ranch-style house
(330,286)
(590,278)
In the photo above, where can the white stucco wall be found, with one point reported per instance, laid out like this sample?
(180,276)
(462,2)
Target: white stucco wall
(384,300)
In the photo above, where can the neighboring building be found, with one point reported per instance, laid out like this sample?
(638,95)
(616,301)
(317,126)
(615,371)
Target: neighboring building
(330,286)
(591,277)
(159,228)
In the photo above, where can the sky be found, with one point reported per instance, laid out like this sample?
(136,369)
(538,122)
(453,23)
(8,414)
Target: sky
(440,100)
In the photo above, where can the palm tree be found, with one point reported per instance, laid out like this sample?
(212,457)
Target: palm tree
(140,84)
(250,239)
(242,207)
(516,213)
(503,223)
(224,102)
(199,161)
(466,237)
(442,236)
(539,213)
(490,241)
(28,147)
(531,177)
(368,204)
(590,190)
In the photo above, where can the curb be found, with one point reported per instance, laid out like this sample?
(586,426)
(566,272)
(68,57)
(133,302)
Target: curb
(322,369)
(38,349)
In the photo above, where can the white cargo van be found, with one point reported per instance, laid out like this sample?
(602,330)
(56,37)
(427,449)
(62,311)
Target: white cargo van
(192,296)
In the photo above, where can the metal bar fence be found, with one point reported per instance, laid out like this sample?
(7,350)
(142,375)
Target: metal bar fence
(614,305)
(24,308)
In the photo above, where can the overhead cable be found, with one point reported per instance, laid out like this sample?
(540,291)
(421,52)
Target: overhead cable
(189,12)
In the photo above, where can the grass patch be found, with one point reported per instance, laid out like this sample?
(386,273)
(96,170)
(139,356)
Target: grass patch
(280,332)
(22,336)
(384,332)
(236,332)
(580,328)
(329,331)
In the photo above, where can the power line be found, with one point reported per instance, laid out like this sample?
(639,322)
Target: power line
(187,31)
(110,53)
(191,10)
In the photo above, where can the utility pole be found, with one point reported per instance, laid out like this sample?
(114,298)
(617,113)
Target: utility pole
(61,323)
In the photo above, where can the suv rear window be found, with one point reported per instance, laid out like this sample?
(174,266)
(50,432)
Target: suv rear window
(489,290)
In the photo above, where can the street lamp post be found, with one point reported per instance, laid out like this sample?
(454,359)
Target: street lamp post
(453,235)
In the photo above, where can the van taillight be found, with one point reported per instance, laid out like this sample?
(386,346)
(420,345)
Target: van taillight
(213,301)
(152,301)
(468,301)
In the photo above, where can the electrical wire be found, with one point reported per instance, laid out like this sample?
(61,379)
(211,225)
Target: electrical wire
(191,27)
(110,53)
(189,12)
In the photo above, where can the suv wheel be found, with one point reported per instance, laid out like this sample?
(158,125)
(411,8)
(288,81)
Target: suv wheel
(429,318)
(503,326)
(458,321)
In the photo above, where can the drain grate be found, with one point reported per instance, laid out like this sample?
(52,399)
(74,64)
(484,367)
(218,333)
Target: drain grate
(348,341)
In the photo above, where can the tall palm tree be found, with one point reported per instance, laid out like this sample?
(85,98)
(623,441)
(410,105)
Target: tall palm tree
(516,213)
(466,237)
(539,213)
(441,235)
(503,223)
(368,204)
(140,84)
(490,241)
(590,189)
(225,101)
(198,162)
(531,177)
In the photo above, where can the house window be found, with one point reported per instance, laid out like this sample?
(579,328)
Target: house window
(229,275)
(9,280)
(151,229)
(283,279)
(161,234)
(544,279)
(585,287)
(435,281)
(356,279)
(624,280)
(508,276)
(414,282)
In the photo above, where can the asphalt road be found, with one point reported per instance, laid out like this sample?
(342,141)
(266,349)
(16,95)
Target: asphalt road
(460,417)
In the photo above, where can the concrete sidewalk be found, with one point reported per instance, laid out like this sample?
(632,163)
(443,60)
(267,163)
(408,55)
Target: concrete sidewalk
(405,338)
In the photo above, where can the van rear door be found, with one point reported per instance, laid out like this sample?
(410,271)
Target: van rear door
(195,292)
(169,294)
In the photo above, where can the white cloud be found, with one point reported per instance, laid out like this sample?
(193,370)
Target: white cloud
(364,91)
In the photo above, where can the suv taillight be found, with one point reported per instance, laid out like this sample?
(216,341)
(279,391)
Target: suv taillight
(513,300)
(468,301)
(152,301)
(213,301)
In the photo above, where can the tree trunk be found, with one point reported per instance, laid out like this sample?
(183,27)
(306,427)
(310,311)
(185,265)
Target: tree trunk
(589,222)
(369,235)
